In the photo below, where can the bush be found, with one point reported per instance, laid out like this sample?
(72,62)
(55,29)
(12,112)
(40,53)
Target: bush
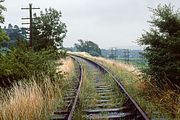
(22,62)
(162,47)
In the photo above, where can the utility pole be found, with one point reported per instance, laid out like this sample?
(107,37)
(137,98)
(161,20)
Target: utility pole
(113,53)
(126,55)
(30,23)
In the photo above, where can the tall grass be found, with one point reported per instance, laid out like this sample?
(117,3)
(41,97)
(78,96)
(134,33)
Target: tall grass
(158,104)
(31,99)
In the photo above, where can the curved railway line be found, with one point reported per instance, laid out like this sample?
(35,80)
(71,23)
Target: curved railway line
(110,103)
(71,98)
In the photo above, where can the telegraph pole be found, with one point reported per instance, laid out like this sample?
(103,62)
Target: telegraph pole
(113,53)
(30,22)
(126,55)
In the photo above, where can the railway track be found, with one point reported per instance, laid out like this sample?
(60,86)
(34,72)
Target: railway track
(111,103)
(112,100)
(70,98)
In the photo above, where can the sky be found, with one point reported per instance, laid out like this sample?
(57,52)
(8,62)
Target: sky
(109,23)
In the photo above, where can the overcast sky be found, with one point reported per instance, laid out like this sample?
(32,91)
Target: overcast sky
(109,23)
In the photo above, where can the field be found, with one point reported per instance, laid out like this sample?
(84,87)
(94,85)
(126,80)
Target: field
(140,63)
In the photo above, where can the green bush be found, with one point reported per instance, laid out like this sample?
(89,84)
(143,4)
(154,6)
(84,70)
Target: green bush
(162,43)
(22,62)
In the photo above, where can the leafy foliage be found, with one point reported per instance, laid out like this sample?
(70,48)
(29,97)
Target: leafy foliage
(2,8)
(22,62)
(48,30)
(163,46)
(88,46)
(3,35)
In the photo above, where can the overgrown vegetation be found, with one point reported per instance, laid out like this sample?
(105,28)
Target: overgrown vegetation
(163,46)
(28,99)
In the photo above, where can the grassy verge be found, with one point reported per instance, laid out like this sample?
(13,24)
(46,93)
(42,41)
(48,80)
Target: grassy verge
(157,105)
(30,99)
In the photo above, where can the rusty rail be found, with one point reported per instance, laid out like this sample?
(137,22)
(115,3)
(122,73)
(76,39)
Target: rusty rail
(67,114)
(78,91)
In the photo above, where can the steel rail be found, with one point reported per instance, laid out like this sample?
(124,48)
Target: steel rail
(78,90)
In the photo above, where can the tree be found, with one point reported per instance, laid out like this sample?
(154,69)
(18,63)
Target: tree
(2,8)
(3,35)
(10,27)
(88,46)
(163,47)
(14,33)
(48,30)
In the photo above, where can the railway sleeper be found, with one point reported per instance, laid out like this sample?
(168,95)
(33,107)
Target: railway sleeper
(97,110)
(105,105)
(109,116)
(104,91)
(59,117)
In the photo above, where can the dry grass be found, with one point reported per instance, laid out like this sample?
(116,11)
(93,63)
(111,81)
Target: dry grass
(66,67)
(34,101)
(158,105)
(127,67)
(28,101)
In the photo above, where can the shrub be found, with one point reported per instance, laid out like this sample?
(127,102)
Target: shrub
(162,47)
(22,62)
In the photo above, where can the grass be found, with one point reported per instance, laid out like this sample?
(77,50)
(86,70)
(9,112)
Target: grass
(157,105)
(140,63)
(31,100)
